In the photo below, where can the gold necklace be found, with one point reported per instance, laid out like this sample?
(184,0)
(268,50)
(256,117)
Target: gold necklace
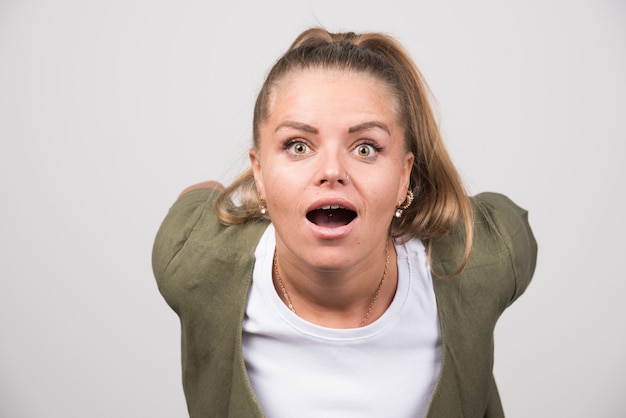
(369,308)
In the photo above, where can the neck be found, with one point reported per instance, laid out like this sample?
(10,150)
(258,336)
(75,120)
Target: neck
(342,297)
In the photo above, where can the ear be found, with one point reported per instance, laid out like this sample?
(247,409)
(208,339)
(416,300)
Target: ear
(406,176)
(255,164)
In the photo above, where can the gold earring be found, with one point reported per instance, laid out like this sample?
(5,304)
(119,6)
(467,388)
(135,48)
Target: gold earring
(262,207)
(408,199)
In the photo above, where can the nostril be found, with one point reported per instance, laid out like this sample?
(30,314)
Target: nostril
(333,177)
(343,180)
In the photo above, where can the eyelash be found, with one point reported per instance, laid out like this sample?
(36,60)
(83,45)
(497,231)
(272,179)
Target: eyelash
(289,143)
(372,144)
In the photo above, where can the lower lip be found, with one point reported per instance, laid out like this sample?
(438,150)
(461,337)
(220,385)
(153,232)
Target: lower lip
(327,233)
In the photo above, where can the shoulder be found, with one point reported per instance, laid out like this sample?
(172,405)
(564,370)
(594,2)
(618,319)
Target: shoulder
(502,223)
(504,249)
(192,246)
(178,224)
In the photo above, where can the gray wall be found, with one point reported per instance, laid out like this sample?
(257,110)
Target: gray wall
(108,109)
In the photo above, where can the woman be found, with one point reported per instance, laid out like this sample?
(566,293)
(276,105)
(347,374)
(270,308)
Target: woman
(346,274)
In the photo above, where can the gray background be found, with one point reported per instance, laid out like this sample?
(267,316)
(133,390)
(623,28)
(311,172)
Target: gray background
(108,109)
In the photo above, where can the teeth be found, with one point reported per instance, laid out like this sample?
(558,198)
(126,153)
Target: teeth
(326,207)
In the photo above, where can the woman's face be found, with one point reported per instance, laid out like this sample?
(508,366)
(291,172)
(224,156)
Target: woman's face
(332,167)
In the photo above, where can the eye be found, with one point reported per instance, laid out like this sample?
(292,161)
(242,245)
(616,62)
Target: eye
(366,150)
(298,148)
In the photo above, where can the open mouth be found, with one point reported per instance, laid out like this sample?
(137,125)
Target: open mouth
(331,216)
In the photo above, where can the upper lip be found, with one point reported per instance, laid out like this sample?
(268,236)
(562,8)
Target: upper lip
(331,203)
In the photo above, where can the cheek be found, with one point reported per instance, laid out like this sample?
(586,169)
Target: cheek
(382,183)
(280,188)
(382,196)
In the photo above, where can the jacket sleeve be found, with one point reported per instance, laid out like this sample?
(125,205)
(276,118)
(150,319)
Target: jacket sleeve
(499,269)
(173,234)
(510,223)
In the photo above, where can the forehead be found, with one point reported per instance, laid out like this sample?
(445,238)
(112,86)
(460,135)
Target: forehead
(332,89)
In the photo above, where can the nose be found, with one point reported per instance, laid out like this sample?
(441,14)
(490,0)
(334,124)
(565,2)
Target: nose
(332,169)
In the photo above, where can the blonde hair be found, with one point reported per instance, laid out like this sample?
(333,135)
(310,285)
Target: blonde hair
(440,199)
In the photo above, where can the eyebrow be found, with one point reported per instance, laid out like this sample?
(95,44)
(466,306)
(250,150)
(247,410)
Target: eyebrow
(369,125)
(297,125)
(310,129)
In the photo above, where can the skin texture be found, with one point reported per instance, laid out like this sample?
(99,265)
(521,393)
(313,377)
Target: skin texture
(325,125)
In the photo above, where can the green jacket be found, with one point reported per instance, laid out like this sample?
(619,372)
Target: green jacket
(204,270)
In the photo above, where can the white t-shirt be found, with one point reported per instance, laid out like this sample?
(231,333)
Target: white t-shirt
(385,369)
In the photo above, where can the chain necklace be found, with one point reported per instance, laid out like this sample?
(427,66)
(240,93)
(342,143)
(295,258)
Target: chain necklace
(372,302)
